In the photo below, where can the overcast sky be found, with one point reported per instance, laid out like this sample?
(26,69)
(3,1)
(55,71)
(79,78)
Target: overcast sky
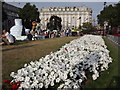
(96,6)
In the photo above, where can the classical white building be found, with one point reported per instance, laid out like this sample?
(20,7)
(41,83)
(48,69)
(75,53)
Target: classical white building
(71,16)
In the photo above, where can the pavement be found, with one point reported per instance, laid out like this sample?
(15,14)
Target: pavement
(115,41)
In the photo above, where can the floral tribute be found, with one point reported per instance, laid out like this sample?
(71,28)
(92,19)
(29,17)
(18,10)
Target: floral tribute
(67,67)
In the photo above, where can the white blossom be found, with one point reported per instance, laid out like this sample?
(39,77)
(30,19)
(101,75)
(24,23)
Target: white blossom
(40,85)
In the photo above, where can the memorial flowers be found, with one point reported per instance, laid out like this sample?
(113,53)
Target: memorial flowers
(67,67)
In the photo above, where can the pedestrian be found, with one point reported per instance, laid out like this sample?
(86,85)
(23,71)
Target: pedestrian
(67,32)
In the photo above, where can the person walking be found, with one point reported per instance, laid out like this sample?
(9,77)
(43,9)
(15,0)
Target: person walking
(67,32)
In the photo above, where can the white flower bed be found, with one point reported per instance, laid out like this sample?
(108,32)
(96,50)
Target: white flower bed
(66,66)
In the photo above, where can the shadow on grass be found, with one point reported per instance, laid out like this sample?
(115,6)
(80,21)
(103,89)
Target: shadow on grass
(18,47)
(21,42)
(115,82)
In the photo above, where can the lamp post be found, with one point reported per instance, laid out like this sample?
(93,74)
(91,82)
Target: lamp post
(80,21)
(105,4)
(104,21)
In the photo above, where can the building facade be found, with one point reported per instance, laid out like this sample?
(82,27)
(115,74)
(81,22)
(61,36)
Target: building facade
(11,13)
(71,16)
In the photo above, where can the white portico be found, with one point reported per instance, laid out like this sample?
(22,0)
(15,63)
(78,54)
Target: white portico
(71,16)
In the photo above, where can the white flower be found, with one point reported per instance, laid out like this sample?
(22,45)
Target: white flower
(34,84)
(80,80)
(75,86)
(12,74)
(64,76)
(61,86)
(94,77)
(19,78)
(52,72)
(24,85)
(52,83)
(27,79)
(32,63)
(25,65)
(40,85)
(58,80)
(46,74)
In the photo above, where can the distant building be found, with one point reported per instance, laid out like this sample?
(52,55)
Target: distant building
(71,16)
(12,13)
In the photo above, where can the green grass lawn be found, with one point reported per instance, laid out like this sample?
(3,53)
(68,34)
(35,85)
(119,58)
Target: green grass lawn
(111,77)
(15,56)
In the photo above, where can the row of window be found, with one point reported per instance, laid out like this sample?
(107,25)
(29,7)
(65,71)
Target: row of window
(66,9)
(63,14)
(69,19)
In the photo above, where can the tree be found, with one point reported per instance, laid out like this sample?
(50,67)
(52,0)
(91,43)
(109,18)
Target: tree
(29,13)
(117,19)
(87,27)
(54,23)
(111,14)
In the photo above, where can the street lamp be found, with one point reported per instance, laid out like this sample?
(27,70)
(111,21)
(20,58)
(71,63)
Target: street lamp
(80,21)
(105,21)
(105,4)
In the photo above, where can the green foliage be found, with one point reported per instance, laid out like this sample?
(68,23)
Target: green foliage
(111,14)
(87,27)
(117,19)
(54,23)
(29,13)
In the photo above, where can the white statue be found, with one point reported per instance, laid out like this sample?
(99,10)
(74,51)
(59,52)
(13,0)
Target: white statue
(16,30)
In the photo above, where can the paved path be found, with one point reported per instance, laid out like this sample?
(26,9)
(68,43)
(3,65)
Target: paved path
(114,39)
